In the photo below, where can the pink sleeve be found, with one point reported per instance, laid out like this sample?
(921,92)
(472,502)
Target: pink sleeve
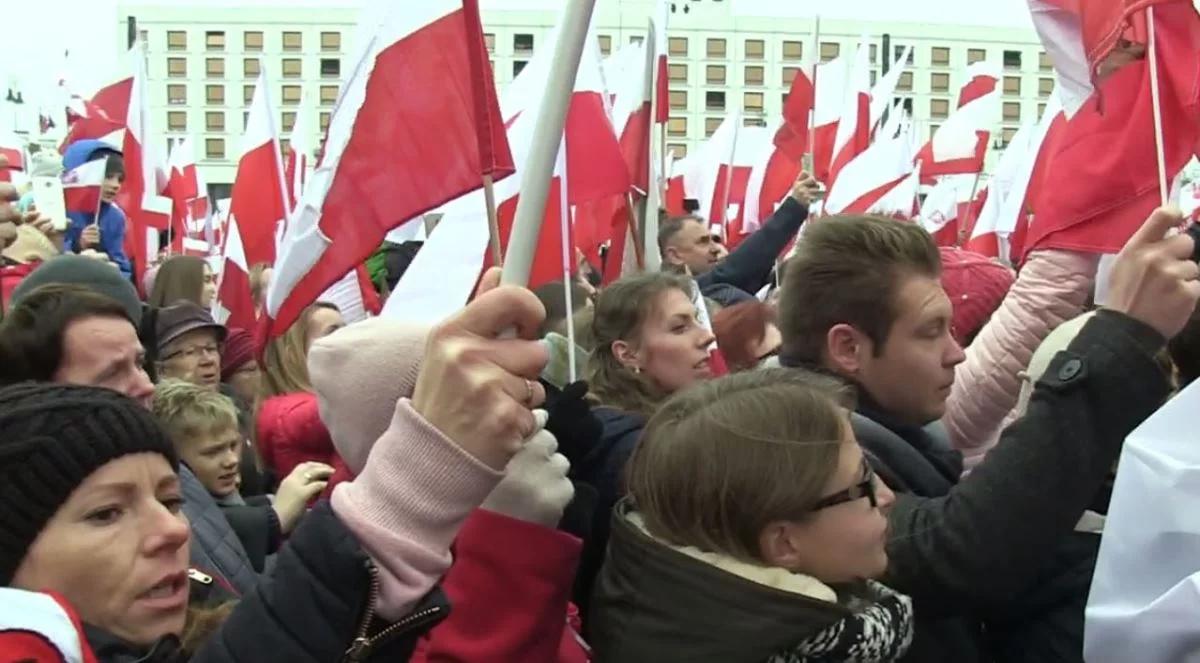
(408,504)
(1051,288)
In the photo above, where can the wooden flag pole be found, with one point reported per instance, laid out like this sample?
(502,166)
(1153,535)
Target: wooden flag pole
(635,230)
(962,228)
(551,120)
(489,200)
(1164,189)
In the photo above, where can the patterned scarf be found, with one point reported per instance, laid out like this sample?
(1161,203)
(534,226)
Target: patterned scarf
(879,632)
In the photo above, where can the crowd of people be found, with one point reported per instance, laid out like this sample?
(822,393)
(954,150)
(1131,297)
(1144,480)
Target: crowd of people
(909,458)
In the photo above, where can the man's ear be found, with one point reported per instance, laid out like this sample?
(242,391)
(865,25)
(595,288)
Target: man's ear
(845,349)
(626,354)
(670,255)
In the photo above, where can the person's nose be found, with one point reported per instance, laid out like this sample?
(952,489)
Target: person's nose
(165,531)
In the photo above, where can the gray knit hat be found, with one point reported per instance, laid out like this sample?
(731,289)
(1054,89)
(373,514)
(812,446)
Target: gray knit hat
(54,437)
(80,270)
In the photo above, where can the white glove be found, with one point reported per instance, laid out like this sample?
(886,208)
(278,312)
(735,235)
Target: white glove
(535,487)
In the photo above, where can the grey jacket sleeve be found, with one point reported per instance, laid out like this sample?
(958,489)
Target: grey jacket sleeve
(748,267)
(985,542)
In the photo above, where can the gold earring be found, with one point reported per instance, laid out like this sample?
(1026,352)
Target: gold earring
(637,370)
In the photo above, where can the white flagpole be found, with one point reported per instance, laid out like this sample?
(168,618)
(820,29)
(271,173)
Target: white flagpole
(567,257)
(651,261)
(1164,188)
(551,119)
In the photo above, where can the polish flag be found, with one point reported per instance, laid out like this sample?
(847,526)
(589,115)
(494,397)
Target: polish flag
(676,190)
(716,360)
(939,212)
(182,187)
(901,201)
(418,57)
(300,151)
(82,185)
(1100,176)
(830,89)
(984,237)
(792,136)
(960,144)
(754,147)
(771,180)
(104,115)
(234,306)
(854,125)
(871,175)
(709,169)
(662,109)
(354,295)
(884,92)
(627,75)
(258,198)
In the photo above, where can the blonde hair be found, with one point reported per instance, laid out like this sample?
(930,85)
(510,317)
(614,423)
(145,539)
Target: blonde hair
(258,288)
(285,359)
(186,411)
(620,312)
(178,278)
(724,459)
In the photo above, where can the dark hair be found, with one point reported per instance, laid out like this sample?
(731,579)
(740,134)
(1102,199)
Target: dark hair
(1185,351)
(179,278)
(846,270)
(670,227)
(115,166)
(31,336)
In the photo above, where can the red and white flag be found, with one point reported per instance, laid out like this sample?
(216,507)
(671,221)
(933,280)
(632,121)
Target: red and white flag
(716,360)
(901,201)
(662,103)
(884,91)
(183,186)
(960,144)
(770,183)
(234,306)
(854,125)
(12,149)
(258,198)
(300,151)
(792,136)
(416,57)
(939,212)
(82,186)
(626,75)
(871,175)
(830,89)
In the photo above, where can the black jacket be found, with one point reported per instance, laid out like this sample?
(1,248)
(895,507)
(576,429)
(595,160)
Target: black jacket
(257,526)
(748,267)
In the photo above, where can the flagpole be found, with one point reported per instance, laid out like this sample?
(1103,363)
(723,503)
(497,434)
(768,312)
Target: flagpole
(551,120)
(1163,187)
(100,200)
(635,230)
(812,112)
(565,241)
(649,226)
(962,228)
(489,200)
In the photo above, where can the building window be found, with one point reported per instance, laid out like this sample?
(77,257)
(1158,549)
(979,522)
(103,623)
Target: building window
(830,51)
(873,53)
(214,67)
(518,67)
(214,95)
(331,41)
(976,55)
(874,76)
(754,75)
(1045,87)
(1012,59)
(252,41)
(939,108)
(1012,85)
(523,43)
(940,56)
(291,95)
(677,126)
(789,75)
(755,49)
(715,74)
(898,50)
(247,94)
(329,95)
(177,67)
(1012,111)
(906,81)
(214,121)
(176,94)
(677,46)
(905,102)
(711,124)
(291,68)
(1044,62)
(680,151)
(214,40)
(714,100)
(1007,135)
(753,122)
(1041,110)
(144,36)
(489,40)
(214,148)
(793,50)
(177,120)
(176,40)
(783,99)
(251,67)
(752,102)
(605,44)
(677,73)
(939,82)
(679,100)
(292,41)
(289,121)
(933,129)
(716,48)
(331,68)
(636,39)
(325,121)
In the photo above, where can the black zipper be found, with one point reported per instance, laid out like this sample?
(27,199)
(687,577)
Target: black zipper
(362,645)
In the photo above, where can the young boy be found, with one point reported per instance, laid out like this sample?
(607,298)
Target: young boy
(203,426)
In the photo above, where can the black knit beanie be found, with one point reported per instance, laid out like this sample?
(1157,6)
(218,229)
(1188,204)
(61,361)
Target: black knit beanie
(52,437)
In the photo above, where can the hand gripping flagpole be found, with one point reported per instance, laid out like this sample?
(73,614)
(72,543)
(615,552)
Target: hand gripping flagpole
(551,120)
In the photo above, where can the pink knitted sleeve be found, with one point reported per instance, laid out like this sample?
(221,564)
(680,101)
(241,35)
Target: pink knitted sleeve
(408,504)
(1051,288)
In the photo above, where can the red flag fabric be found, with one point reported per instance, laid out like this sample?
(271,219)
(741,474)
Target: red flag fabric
(258,198)
(854,126)
(418,60)
(716,360)
(12,149)
(662,104)
(82,185)
(959,146)
(830,85)
(792,136)
(770,183)
(234,306)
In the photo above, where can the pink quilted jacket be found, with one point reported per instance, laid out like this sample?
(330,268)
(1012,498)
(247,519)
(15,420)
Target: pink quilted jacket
(1051,288)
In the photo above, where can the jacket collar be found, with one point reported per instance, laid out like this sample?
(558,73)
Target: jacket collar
(108,648)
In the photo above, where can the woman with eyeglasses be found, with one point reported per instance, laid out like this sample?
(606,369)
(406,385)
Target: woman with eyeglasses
(753,530)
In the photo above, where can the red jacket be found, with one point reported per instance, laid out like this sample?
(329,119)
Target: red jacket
(509,591)
(10,277)
(290,432)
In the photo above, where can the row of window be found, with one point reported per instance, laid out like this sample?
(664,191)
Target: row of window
(214,148)
(214,95)
(716,74)
(252,41)
(755,49)
(215,67)
(215,120)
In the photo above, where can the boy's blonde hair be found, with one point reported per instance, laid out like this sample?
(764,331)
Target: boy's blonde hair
(187,411)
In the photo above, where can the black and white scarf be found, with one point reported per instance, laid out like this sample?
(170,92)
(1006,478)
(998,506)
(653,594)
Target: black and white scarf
(880,632)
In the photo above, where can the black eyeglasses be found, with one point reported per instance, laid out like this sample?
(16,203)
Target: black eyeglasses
(865,488)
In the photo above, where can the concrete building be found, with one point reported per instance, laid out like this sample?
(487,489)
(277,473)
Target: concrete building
(204,57)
